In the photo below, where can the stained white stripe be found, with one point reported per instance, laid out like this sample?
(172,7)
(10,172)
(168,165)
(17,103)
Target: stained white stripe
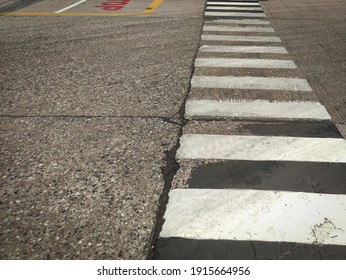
(234,3)
(240,21)
(244,63)
(70,7)
(234,14)
(226,8)
(256,109)
(210,8)
(272,216)
(262,148)
(237,29)
(240,38)
(264,83)
(243,49)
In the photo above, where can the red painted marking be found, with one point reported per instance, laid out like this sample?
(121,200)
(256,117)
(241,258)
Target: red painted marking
(113,5)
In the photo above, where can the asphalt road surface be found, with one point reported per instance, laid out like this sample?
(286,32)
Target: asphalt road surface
(93,108)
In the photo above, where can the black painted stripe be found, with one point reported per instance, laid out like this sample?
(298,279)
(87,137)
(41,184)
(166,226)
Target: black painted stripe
(190,249)
(317,177)
(320,129)
(315,129)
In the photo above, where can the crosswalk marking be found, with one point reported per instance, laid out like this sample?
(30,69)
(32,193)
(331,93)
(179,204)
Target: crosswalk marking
(256,109)
(237,29)
(224,8)
(234,3)
(261,83)
(239,21)
(244,63)
(231,14)
(243,49)
(240,38)
(235,147)
(256,215)
(254,172)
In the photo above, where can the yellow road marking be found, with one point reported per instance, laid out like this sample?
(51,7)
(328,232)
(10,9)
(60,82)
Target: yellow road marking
(148,11)
(152,7)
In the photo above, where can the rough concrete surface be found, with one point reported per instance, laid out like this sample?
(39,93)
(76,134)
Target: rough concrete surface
(90,114)
(313,32)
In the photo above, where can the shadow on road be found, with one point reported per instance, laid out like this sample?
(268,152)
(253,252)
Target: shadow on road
(8,6)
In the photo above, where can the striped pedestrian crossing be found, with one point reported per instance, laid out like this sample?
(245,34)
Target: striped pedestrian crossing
(262,166)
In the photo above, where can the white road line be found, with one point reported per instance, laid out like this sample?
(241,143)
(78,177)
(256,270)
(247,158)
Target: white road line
(231,14)
(244,63)
(237,29)
(71,6)
(271,216)
(256,109)
(240,38)
(240,21)
(243,49)
(234,3)
(262,148)
(223,8)
(261,83)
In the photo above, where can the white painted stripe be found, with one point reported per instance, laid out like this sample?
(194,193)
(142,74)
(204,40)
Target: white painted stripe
(237,28)
(262,148)
(71,6)
(271,216)
(244,63)
(234,3)
(264,83)
(240,21)
(234,14)
(240,38)
(210,8)
(243,49)
(256,109)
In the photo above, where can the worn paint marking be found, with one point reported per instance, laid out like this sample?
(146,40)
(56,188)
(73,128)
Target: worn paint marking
(244,63)
(236,147)
(256,109)
(222,28)
(234,14)
(271,216)
(242,49)
(241,38)
(249,82)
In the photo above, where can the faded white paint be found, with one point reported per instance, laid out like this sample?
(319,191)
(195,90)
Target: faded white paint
(256,109)
(244,63)
(271,216)
(261,83)
(224,8)
(223,28)
(271,39)
(262,148)
(234,14)
(240,21)
(243,49)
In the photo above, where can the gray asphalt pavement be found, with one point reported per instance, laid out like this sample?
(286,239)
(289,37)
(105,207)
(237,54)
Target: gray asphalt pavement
(89,123)
(91,112)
